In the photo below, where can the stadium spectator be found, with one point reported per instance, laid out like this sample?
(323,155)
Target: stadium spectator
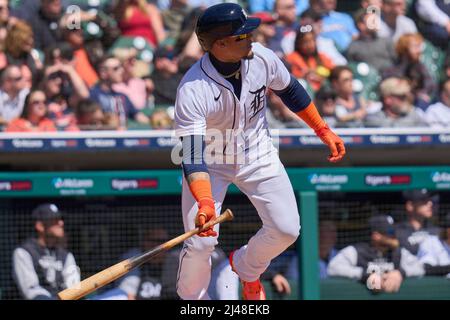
(42,266)
(44,22)
(447,67)
(132,86)
(306,61)
(110,71)
(417,227)
(393,22)
(90,116)
(369,47)
(187,46)
(397,109)
(278,273)
(434,20)
(6,22)
(380,263)
(160,120)
(434,252)
(438,114)
(325,101)
(166,76)
(173,18)
(337,26)
(83,65)
(327,245)
(137,18)
(156,279)
(266,29)
(12,94)
(34,117)
(366,4)
(19,50)
(285,13)
(323,44)
(268,5)
(147,281)
(64,89)
(350,107)
(409,50)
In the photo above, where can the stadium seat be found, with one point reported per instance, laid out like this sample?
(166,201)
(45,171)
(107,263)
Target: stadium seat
(91,4)
(144,48)
(433,58)
(366,80)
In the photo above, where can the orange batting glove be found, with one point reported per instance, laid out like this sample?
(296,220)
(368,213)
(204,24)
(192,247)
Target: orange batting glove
(336,145)
(312,117)
(206,212)
(201,190)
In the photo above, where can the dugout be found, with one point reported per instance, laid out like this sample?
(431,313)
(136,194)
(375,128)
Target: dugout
(107,212)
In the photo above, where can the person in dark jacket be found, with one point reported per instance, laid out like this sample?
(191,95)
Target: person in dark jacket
(417,227)
(42,266)
(381,263)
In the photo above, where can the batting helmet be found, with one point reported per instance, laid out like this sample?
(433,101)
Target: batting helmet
(223,20)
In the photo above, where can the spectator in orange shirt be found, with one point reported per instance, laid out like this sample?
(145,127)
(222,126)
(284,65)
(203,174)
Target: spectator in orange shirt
(83,65)
(306,61)
(34,115)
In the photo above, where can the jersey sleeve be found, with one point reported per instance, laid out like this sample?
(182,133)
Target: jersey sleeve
(190,111)
(279,76)
(26,277)
(71,272)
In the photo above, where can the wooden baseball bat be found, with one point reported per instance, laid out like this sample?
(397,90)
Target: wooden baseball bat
(110,274)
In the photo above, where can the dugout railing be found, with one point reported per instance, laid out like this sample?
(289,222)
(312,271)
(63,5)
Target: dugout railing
(309,185)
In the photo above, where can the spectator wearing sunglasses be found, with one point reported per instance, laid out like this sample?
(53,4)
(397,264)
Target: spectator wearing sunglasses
(34,115)
(113,103)
(12,94)
(397,107)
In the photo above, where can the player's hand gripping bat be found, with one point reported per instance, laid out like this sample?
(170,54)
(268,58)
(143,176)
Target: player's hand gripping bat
(110,274)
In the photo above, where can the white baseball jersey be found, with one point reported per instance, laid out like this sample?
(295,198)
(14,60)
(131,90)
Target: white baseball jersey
(206,103)
(206,100)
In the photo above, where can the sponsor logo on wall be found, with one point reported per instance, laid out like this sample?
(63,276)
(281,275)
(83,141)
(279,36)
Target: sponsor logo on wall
(134,184)
(328,181)
(72,186)
(441,179)
(15,185)
(376,180)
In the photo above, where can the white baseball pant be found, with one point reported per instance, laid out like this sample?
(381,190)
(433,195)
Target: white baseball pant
(267,185)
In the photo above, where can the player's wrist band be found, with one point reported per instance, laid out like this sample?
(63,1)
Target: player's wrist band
(322,131)
(201,191)
(206,203)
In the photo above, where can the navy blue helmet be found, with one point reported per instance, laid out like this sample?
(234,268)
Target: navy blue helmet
(223,20)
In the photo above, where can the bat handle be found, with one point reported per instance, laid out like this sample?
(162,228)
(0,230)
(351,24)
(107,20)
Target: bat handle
(226,216)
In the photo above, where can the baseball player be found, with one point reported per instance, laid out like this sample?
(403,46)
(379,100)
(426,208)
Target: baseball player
(220,117)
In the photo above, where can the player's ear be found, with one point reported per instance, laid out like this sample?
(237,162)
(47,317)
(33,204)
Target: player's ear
(221,43)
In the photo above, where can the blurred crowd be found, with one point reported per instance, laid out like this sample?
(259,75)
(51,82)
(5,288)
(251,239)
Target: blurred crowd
(115,65)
